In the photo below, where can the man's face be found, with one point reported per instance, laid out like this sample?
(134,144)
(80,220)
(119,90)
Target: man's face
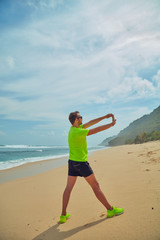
(79,118)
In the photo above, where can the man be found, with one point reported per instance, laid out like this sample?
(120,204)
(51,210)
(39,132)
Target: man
(78,161)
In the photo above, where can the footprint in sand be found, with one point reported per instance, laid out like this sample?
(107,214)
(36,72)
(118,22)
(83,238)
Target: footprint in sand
(102,215)
(147,170)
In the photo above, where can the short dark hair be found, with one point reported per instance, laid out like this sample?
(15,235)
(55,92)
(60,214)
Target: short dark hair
(73,116)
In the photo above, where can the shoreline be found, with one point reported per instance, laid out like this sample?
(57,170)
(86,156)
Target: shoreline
(16,162)
(33,168)
(128,175)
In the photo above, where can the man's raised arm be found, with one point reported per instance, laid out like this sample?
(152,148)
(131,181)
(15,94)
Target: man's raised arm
(97,120)
(102,128)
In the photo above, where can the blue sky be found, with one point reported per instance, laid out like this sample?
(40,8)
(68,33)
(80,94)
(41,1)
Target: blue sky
(59,56)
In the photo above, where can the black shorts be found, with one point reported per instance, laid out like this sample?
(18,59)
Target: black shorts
(81,169)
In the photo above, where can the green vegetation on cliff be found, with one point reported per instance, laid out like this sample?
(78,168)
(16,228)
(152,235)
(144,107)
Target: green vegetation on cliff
(144,137)
(146,128)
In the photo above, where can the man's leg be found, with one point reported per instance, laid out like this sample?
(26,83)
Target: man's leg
(66,195)
(96,188)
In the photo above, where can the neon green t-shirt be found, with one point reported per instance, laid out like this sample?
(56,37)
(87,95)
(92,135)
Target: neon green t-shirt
(78,144)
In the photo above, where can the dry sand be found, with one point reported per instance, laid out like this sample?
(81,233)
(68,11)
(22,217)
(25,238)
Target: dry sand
(128,175)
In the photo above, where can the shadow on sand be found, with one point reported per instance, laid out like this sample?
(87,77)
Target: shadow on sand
(55,233)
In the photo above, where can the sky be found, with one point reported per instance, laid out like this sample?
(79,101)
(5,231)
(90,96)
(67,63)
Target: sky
(60,56)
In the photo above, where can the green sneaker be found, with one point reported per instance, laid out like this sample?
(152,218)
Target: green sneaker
(64,218)
(116,211)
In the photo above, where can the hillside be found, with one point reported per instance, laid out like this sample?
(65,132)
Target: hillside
(148,124)
(106,141)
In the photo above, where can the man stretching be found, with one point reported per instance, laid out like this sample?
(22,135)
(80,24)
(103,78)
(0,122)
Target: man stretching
(78,162)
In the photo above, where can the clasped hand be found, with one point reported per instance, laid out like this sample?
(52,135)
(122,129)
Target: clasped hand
(113,119)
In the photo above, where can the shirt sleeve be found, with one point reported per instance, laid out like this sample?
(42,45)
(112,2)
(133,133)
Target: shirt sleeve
(82,131)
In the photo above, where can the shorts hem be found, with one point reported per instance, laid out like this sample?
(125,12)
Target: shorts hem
(79,169)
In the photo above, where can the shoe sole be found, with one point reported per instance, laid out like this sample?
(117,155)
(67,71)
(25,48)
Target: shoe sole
(116,215)
(119,214)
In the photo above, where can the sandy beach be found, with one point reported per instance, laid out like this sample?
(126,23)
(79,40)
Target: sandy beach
(129,176)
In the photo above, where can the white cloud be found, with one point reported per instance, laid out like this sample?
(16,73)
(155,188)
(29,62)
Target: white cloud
(133,88)
(51,133)
(43,3)
(143,87)
(91,54)
(156,80)
(10,62)
(2,133)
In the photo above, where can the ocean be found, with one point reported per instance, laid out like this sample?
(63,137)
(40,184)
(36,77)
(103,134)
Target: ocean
(16,155)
